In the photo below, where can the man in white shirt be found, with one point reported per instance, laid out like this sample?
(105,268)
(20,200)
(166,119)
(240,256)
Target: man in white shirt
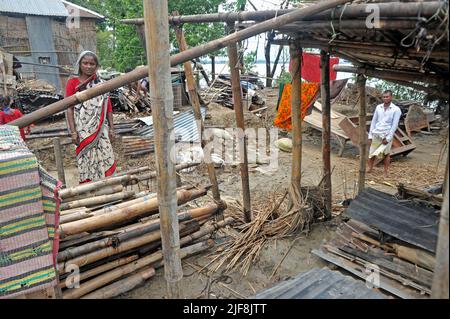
(382,130)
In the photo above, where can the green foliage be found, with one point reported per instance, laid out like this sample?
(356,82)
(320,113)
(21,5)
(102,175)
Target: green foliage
(250,61)
(119,45)
(400,92)
(285,77)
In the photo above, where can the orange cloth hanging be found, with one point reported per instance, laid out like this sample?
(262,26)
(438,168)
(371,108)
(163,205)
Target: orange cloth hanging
(309,94)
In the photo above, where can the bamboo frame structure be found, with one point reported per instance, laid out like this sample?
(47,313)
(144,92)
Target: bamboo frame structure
(326,131)
(240,121)
(142,72)
(161,96)
(361,82)
(296,58)
(195,101)
(351,11)
(440,288)
(59,161)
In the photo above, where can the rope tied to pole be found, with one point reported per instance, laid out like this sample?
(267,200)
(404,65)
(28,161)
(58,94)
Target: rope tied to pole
(333,11)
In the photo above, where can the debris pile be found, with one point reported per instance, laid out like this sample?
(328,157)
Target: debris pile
(120,128)
(134,146)
(398,248)
(221,92)
(134,102)
(32,95)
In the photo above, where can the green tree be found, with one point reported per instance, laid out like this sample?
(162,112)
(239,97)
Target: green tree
(119,45)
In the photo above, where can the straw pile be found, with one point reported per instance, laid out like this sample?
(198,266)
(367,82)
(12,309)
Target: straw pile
(273,219)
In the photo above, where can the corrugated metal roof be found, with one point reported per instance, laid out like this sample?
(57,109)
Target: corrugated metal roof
(320,284)
(53,8)
(411,223)
(83,12)
(185,126)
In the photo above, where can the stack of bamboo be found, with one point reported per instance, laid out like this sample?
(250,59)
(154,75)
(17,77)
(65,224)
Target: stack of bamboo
(106,251)
(120,128)
(134,146)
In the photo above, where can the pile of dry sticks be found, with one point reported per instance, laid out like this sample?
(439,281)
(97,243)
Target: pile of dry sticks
(270,222)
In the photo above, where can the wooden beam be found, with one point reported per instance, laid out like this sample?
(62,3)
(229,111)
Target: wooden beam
(142,72)
(296,69)
(361,82)
(440,282)
(393,75)
(240,121)
(306,26)
(326,131)
(387,10)
(193,94)
(161,96)
(59,161)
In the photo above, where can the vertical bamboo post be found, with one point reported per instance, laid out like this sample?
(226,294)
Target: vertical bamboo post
(193,94)
(213,67)
(326,128)
(161,96)
(59,161)
(296,65)
(361,80)
(440,280)
(238,108)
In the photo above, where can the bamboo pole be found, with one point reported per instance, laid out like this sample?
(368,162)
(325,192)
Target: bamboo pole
(135,171)
(85,188)
(361,82)
(392,75)
(131,232)
(73,211)
(240,121)
(125,213)
(206,231)
(384,24)
(296,58)
(178,168)
(74,217)
(193,94)
(108,190)
(99,270)
(387,10)
(106,278)
(440,281)
(326,131)
(122,286)
(59,161)
(99,200)
(142,72)
(161,96)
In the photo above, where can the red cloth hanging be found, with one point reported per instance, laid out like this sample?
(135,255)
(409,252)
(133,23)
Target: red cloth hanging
(311,67)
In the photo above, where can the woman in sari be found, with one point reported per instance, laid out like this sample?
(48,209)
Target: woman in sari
(91,123)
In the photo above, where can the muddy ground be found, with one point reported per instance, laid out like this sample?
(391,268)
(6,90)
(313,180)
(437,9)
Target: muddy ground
(422,167)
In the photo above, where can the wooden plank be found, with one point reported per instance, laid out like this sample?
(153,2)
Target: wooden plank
(386,284)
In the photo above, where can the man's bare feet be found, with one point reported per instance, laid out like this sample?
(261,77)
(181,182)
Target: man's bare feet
(386,175)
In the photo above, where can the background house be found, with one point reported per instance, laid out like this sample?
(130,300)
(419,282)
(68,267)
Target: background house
(46,36)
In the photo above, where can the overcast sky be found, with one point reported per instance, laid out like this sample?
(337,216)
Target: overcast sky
(258,42)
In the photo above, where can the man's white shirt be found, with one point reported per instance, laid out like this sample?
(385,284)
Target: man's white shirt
(385,122)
